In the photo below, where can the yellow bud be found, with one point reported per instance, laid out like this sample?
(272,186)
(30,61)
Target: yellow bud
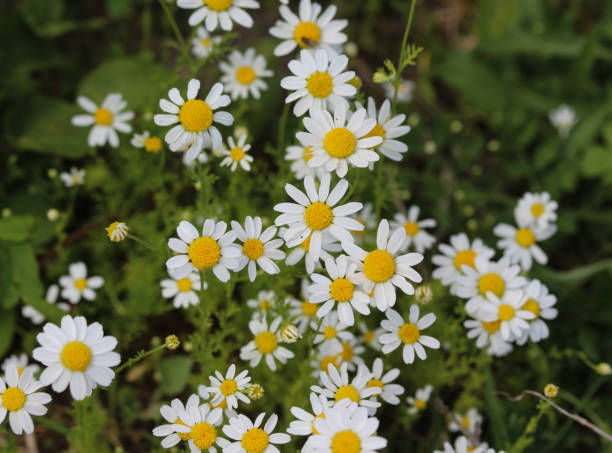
(172,342)
(604,369)
(551,390)
(255,391)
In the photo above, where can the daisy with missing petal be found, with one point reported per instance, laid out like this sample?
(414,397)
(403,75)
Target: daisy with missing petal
(200,423)
(51,296)
(76,177)
(214,249)
(304,423)
(336,386)
(265,344)
(468,421)
(76,354)
(337,143)
(20,399)
(315,212)
(318,82)
(196,118)
(416,236)
(264,303)
(182,291)
(371,337)
(249,437)
(150,143)
(299,156)
(243,74)
(303,313)
(387,391)
(106,119)
(77,284)
(219,12)
(408,333)
(20,362)
(540,302)
(309,29)
(488,334)
(338,291)
(328,244)
(404,91)
(380,270)
(509,311)
(236,154)
(203,43)
(331,333)
(462,446)
(419,401)
(117,231)
(229,388)
(520,244)
(536,210)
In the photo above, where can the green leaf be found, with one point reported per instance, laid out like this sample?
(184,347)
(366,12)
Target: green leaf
(174,373)
(16,228)
(597,162)
(50,311)
(7,329)
(25,280)
(45,18)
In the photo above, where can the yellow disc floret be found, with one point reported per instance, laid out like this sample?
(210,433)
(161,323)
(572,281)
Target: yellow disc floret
(341,290)
(420,404)
(377,131)
(330,359)
(308,308)
(318,216)
(195,115)
(347,391)
(153,145)
(76,356)
(320,84)
(13,399)
(411,228)
(245,75)
(491,282)
(228,387)
(409,333)
(306,34)
(103,117)
(329,332)
(253,249)
(376,383)
(183,436)
(307,153)
(532,306)
(255,440)
(203,435)
(80,283)
(339,143)
(184,284)
(379,266)
(537,209)
(218,5)
(345,442)
(464,257)
(306,244)
(347,352)
(505,312)
(266,342)
(525,237)
(204,252)
(492,326)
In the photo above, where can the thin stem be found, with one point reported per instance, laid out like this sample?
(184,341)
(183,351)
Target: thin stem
(173,23)
(281,126)
(138,357)
(400,63)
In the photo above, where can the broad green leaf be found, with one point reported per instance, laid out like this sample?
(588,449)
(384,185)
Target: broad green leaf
(16,228)
(45,18)
(7,329)
(174,373)
(50,311)
(25,279)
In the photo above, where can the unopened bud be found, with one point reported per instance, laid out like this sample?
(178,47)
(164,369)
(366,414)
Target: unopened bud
(551,390)
(172,342)
(255,391)
(290,334)
(423,294)
(604,368)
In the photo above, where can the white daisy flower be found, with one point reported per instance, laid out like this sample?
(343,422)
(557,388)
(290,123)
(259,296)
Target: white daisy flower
(76,177)
(487,276)
(563,119)
(419,401)
(463,446)
(200,423)
(196,118)
(328,244)
(182,291)
(324,357)
(106,119)
(387,391)
(303,313)
(243,74)
(230,387)
(51,296)
(336,142)
(250,437)
(468,421)
(371,337)
(488,334)
(351,353)
(76,354)
(77,284)
(536,210)
(201,159)
(408,333)
(117,231)
(380,270)
(336,385)
(203,43)
(263,304)
(541,303)
(219,12)
(416,235)
(265,344)
(214,249)
(299,156)
(367,218)
(520,244)
(205,395)
(509,311)
(318,82)
(309,29)
(315,213)
(237,154)
(405,91)
(20,399)
(20,362)
(338,291)
(454,255)
(150,143)
(332,333)
(304,425)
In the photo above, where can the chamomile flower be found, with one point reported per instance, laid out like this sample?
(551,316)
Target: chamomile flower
(309,29)
(462,445)
(214,249)
(20,399)
(196,118)
(381,270)
(324,357)
(182,291)
(303,312)
(203,43)
(541,303)
(304,423)
(76,177)
(265,344)
(331,333)
(328,244)
(563,119)
(315,212)
(488,334)
(200,423)
(371,337)
(299,156)
(405,90)
(419,401)
(150,143)
(336,142)
(367,218)
(106,119)
(252,437)
(338,291)
(318,82)
(264,303)
(20,362)
(117,231)
(387,391)
(487,276)
(508,309)
(468,421)
(236,154)
(230,387)
(416,236)
(336,385)
(536,210)
(351,353)
(76,354)
(27,311)
(454,255)
(520,244)
(219,12)
(243,74)
(77,284)
(172,413)
(205,395)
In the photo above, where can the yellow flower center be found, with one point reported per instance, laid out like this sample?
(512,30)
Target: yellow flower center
(318,216)
(465,421)
(333,359)
(464,257)
(221,405)
(218,5)
(347,352)
(376,383)
(532,306)
(347,391)
(307,33)
(377,131)
(205,42)
(470,448)
(103,117)
(184,284)
(492,326)
(379,266)
(420,404)
(266,342)
(203,435)
(345,442)
(308,308)
(314,430)
(525,237)
(13,399)
(368,336)
(339,143)
(204,252)
(411,228)
(195,115)
(80,283)
(307,153)
(253,249)
(409,333)
(329,332)
(228,387)
(237,154)
(20,370)
(320,84)
(342,290)
(255,440)
(109,230)
(505,312)
(265,304)
(537,209)
(76,356)
(306,244)
(153,145)
(245,75)
(491,282)
(184,436)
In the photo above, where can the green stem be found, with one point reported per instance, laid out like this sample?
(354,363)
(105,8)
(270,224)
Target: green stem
(400,64)
(281,127)
(177,32)
(138,357)
(53,426)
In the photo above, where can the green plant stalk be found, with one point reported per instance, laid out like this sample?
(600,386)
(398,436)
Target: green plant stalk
(526,438)
(138,357)
(400,65)
(498,424)
(177,32)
